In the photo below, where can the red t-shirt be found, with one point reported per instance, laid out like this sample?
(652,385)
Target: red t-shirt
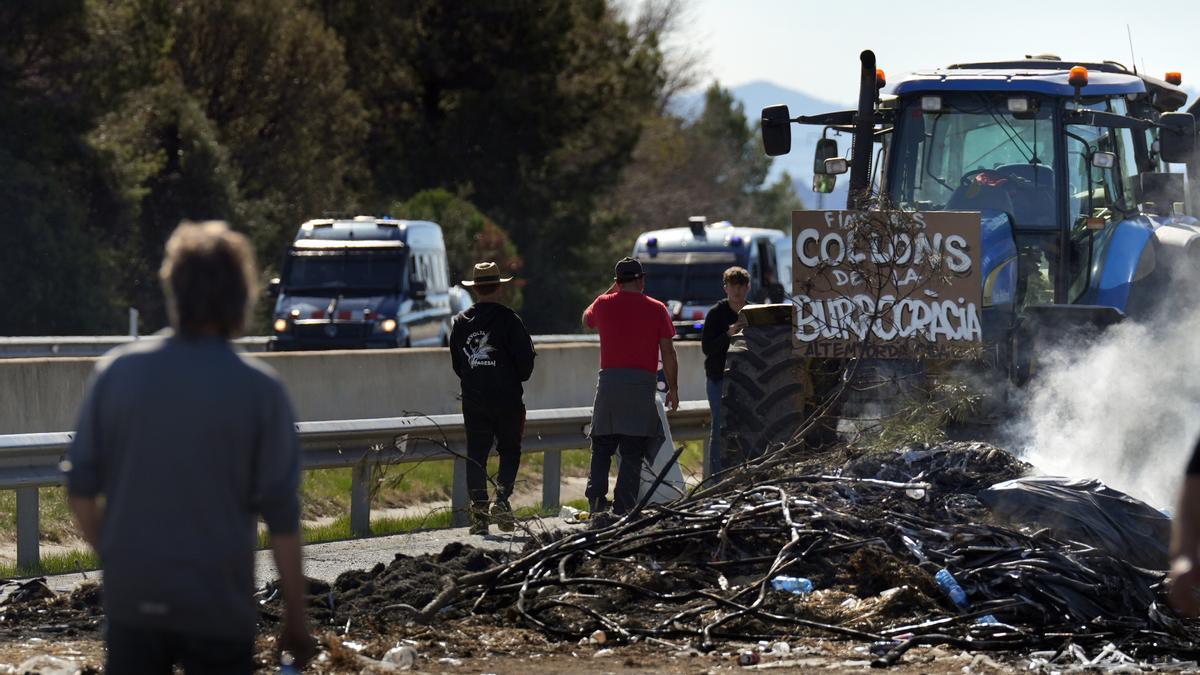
(630,325)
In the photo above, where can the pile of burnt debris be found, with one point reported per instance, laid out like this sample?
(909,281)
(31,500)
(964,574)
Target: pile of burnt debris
(919,546)
(951,545)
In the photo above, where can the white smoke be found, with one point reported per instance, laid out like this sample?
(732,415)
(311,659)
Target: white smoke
(1125,408)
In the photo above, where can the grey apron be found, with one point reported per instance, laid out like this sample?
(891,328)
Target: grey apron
(627,404)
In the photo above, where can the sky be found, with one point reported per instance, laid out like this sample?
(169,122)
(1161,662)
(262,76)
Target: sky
(813,47)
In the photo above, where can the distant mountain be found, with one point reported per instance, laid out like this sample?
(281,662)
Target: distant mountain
(760,94)
(754,96)
(798,163)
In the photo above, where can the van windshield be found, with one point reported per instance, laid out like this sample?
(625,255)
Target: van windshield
(699,283)
(340,270)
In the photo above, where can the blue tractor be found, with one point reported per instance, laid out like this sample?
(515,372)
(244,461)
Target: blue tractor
(1069,165)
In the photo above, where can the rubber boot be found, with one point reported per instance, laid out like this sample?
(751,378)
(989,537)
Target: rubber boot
(598,505)
(479,519)
(501,514)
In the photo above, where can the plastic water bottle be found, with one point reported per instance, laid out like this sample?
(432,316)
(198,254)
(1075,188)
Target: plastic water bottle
(287,664)
(950,585)
(795,585)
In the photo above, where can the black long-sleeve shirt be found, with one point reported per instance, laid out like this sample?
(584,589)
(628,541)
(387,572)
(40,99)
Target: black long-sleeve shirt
(492,353)
(715,338)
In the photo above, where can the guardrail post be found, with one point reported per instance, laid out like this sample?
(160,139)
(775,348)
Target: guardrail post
(29,557)
(551,479)
(707,449)
(360,499)
(459,500)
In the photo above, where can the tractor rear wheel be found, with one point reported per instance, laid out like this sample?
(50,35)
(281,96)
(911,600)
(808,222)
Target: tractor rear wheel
(768,391)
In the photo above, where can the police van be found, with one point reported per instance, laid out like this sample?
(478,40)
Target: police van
(364,282)
(684,267)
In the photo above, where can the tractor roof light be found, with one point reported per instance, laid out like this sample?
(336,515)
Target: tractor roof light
(735,240)
(1078,77)
(1103,160)
(1020,104)
(880,78)
(1175,78)
(931,104)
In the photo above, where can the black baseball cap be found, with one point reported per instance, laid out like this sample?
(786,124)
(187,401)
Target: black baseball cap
(627,269)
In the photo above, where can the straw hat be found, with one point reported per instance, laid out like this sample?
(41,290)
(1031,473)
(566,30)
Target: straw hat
(485,273)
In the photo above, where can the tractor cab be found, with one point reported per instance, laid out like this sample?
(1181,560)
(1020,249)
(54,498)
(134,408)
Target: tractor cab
(1068,165)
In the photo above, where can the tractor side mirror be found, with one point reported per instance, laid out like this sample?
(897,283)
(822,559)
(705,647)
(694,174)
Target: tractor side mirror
(273,287)
(776,130)
(827,166)
(1178,138)
(826,149)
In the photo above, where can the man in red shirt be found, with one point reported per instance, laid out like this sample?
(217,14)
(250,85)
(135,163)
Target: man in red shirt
(634,330)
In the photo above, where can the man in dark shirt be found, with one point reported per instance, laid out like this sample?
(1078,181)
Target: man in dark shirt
(720,324)
(180,445)
(492,353)
(635,330)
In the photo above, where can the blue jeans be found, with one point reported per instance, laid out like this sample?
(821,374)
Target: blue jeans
(713,389)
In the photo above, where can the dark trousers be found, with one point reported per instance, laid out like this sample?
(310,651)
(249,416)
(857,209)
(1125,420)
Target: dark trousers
(150,651)
(634,451)
(503,424)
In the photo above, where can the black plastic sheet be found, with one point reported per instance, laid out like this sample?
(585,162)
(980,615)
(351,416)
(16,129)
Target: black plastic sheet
(1085,511)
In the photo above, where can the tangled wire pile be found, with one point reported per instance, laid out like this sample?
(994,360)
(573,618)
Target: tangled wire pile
(870,536)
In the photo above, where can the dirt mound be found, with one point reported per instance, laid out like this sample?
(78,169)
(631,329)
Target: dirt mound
(374,599)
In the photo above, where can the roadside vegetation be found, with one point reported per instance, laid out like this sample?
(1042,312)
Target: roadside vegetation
(325,499)
(542,134)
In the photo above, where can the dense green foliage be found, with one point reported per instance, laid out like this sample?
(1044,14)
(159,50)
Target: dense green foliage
(536,132)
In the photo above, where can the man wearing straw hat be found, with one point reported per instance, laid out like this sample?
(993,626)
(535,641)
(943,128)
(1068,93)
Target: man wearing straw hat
(492,355)
(634,330)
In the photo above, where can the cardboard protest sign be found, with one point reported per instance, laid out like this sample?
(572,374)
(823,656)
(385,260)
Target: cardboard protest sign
(886,284)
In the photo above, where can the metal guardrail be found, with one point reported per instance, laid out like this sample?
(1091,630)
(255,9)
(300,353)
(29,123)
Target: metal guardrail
(29,461)
(96,345)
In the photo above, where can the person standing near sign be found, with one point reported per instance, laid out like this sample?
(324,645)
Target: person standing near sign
(720,324)
(492,354)
(634,330)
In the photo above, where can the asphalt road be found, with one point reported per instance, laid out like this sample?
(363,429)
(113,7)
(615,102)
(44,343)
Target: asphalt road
(326,561)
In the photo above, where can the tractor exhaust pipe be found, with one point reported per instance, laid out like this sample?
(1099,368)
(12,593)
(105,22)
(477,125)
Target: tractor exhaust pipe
(863,141)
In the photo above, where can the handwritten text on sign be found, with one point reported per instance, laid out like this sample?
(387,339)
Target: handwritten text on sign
(886,285)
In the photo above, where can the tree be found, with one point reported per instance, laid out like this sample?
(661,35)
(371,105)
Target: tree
(165,165)
(471,237)
(230,110)
(52,260)
(273,80)
(529,109)
(713,166)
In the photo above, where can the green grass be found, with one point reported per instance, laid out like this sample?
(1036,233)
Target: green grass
(55,563)
(326,493)
(56,523)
